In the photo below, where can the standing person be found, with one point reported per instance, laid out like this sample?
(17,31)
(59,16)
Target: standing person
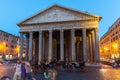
(17,71)
(47,74)
(23,71)
(28,70)
(53,73)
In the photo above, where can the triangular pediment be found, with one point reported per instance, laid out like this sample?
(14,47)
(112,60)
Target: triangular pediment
(57,13)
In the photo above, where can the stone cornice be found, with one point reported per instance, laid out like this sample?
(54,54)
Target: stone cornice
(61,22)
(59,26)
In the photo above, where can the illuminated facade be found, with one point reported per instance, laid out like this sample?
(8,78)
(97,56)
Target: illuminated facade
(110,42)
(63,33)
(8,44)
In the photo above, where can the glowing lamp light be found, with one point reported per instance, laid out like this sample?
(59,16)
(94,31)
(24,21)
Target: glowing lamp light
(106,49)
(4,43)
(115,45)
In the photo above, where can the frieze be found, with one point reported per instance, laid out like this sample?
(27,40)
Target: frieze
(58,26)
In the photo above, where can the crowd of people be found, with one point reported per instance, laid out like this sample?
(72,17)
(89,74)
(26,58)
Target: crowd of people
(23,70)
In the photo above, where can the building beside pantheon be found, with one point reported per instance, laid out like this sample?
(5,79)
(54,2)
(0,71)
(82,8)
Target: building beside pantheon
(61,33)
(110,42)
(9,47)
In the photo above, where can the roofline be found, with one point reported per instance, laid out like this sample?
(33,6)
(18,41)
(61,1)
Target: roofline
(78,11)
(61,7)
(115,22)
(34,15)
(9,33)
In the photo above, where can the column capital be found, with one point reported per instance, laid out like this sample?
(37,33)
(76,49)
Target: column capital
(89,35)
(61,30)
(31,33)
(72,30)
(83,28)
(50,31)
(96,29)
(40,32)
(92,32)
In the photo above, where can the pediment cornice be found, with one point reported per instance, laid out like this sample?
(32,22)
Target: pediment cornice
(58,13)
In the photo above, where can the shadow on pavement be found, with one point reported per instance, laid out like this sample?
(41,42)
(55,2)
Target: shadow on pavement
(5,78)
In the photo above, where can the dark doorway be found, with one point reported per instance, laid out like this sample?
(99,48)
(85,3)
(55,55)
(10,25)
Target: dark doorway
(58,51)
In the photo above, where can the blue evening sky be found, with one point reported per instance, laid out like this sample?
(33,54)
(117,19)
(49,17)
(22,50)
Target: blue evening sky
(14,11)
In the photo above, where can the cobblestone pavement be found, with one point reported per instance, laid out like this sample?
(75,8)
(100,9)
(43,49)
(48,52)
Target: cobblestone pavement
(103,73)
(93,73)
(6,70)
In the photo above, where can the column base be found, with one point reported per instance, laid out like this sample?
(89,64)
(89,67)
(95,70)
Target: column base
(93,64)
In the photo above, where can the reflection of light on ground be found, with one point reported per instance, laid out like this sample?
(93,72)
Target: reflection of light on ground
(110,74)
(103,70)
(103,73)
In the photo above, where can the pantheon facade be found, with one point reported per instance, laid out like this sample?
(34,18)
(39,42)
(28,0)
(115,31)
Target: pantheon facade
(61,33)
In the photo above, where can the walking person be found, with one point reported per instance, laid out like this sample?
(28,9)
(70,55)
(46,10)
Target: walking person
(28,70)
(47,74)
(23,71)
(53,73)
(17,71)
(50,73)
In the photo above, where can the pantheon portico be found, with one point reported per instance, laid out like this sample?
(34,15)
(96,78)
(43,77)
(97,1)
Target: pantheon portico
(61,33)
